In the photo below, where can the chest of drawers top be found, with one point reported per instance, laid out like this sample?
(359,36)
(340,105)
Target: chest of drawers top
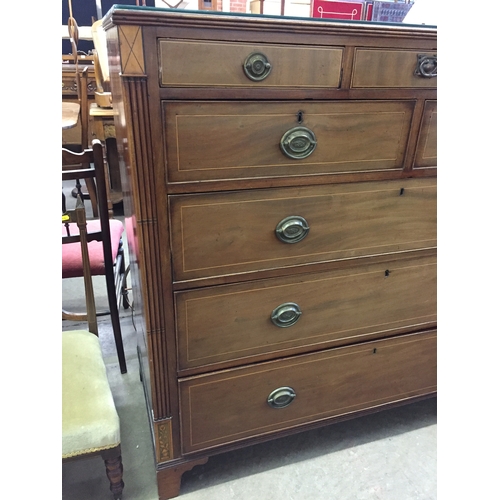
(230,52)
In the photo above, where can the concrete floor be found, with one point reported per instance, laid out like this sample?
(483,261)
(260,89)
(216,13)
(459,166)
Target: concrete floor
(391,455)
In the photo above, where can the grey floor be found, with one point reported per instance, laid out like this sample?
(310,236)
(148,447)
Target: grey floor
(390,455)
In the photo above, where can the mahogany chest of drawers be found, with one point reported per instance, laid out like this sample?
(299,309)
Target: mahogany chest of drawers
(279,177)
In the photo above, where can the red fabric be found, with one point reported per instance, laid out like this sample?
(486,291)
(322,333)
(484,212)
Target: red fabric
(72,254)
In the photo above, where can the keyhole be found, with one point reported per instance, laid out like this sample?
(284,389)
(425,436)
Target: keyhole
(300,116)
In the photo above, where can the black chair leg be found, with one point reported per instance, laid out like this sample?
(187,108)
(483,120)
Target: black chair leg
(115,321)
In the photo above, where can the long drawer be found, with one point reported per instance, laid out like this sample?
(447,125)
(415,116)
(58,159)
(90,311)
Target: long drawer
(383,68)
(202,63)
(228,140)
(232,405)
(319,310)
(223,233)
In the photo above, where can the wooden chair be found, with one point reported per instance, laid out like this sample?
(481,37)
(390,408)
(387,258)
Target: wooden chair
(90,422)
(81,79)
(104,236)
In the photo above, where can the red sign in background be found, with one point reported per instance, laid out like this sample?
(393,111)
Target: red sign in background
(331,9)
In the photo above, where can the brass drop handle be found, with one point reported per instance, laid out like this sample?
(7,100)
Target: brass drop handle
(286,315)
(281,397)
(427,66)
(257,67)
(298,143)
(292,229)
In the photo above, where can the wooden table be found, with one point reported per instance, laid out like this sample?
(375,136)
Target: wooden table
(104,125)
(103,128)
(70,117)
(70,112)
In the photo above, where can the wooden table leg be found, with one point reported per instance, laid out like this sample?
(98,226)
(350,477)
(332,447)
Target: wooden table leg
(115,194)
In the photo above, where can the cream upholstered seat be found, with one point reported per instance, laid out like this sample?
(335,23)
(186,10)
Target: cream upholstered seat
(90,422)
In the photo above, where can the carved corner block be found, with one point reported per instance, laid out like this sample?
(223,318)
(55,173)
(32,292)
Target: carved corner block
(131,50)
(163,438)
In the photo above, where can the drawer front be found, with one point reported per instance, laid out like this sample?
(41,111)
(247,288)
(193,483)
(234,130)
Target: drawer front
(224,233)
(426,155)
(376,68)
(232,405)
(186,63)
(316,310)
(226,140)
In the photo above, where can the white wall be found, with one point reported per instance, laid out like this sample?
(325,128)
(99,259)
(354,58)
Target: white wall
(423,12)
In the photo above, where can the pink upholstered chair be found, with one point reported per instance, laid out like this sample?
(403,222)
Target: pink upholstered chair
(104,236)
(90,422)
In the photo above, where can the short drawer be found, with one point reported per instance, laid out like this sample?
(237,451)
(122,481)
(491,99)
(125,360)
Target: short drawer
(185,63)
(426,155)
(233,405)
(244,323)
(228,140)
(377,68)
(223,233)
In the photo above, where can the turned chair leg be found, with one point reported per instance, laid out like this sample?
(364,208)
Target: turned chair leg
(114,471)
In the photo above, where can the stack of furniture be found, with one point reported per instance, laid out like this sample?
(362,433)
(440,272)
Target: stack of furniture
(280,194)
